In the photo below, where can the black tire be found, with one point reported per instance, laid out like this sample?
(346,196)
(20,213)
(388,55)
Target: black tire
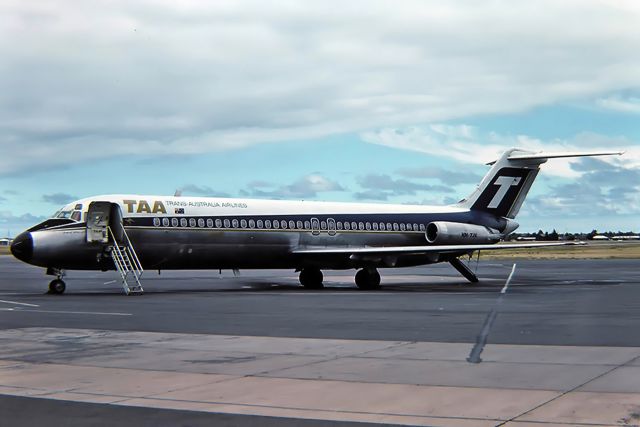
(368,279)
(57,287)
(311,278)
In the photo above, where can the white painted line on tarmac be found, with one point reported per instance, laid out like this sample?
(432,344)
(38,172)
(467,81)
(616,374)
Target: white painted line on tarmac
(19,303)
(95,313)
(506,285)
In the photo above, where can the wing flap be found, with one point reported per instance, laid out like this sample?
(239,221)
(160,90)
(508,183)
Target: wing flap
(399,250)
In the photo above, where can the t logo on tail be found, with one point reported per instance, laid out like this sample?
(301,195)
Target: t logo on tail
(505,182)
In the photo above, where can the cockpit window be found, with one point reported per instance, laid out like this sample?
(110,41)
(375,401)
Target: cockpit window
(78,207)
(63,214)
(76,215)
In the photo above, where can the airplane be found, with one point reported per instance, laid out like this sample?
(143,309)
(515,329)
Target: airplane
(130,233)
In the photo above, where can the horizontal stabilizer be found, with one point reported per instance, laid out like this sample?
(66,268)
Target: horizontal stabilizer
(541,155)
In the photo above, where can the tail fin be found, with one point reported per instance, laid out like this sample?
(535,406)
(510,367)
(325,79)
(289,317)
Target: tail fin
(504,188)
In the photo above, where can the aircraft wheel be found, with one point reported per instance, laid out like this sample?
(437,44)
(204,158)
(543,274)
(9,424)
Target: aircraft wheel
(368,279)
(57,287)
(311,278)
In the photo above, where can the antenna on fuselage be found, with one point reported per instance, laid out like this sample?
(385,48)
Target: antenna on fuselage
(178,193)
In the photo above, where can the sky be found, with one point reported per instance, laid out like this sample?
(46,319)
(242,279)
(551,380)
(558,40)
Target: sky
(376,101)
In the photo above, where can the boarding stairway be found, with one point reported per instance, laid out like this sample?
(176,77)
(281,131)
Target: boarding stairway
(127,263)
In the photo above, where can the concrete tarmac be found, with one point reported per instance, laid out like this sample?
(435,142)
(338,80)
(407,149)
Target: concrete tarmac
(562,346)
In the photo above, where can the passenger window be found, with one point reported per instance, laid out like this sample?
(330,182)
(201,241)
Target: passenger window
(218,223)
(292,224)
(227,223)
(156,222)
(259,223)
(243,223)
(267,224)
(354,225)
(389,227)
(276,224)
(422,227)
(368,225)
(339,225)
(307,225)
(375,226)
(361,225)
(192,222)
(395,226)
(174,222)
(209,223)
(200,222)
(299,224)
(165,222)
(283,224)
(402,226)
(347,226)
(252,223)
(415,227)
(323,225)
(234,223)
(183,222)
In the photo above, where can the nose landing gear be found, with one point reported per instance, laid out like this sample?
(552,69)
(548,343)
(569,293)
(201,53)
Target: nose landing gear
(57,285)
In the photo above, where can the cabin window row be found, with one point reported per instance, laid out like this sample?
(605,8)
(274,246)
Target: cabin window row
(285,225)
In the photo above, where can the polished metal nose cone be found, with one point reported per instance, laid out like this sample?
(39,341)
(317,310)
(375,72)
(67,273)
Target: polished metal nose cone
(22,247)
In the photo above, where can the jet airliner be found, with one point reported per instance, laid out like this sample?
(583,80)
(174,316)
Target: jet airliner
(130,233)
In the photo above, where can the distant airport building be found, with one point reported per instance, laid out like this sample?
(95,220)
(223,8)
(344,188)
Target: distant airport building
(626,237)
(600,237)
(5,242)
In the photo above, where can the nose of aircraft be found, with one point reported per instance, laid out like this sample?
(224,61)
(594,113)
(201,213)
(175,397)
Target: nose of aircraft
(22,247)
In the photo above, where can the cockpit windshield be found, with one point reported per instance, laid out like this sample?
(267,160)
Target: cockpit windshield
(74,214)
(62,214)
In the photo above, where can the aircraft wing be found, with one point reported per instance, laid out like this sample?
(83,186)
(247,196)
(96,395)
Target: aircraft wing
(407,250)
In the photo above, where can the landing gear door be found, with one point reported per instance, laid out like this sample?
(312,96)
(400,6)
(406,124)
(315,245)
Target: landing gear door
(98,217)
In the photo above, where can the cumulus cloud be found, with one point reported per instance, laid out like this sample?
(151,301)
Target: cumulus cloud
(59,198)
(603,189)
(9,219)
(306,187)
(446,176)
(466,144)
(203,190)
(382,186)
(97,79)
(629,104)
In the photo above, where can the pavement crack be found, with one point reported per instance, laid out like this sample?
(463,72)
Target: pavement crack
(564,393)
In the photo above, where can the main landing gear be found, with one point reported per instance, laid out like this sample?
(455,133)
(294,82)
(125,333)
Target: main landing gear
(311,278)
(57,285)
(368,279)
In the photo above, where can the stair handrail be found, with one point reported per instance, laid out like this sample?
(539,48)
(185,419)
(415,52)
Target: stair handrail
(129,247)
(132,251)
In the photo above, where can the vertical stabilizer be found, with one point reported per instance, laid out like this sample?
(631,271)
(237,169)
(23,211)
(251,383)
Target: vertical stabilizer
(504,188)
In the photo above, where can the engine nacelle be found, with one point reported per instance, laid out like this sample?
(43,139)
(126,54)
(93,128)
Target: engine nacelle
(443,233)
